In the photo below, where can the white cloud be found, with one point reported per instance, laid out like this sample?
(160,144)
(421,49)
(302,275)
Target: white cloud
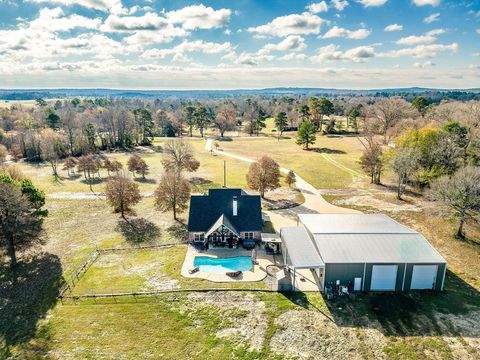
(427,2)
(340,4)
(421,51)
(427,38)
(393,27)
(345,33)
(113,6)
(474,66)
(199,17)
(424,64)
(372,3)
(416,40)
(253,59)
(189,47)
(331,53)
(290,43)
(435,32)
(432,18)
(316,8)
(478,31)
(53,20)
(293,56)
(149,21)
(293,24)
(166,35)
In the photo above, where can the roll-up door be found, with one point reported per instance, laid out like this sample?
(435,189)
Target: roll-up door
(423,277)
(384,277)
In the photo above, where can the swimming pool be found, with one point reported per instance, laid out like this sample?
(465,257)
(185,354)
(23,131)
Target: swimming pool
(223,265)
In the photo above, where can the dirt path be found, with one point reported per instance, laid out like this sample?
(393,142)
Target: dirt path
(314,201)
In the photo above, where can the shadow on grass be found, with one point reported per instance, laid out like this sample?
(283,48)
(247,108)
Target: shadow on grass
(146,181)
(418,313)
(328,151)
(26,295)
(139,230)
(93,181)
(200,184)
(178,232)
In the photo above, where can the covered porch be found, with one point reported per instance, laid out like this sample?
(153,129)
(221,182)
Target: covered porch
(302,261)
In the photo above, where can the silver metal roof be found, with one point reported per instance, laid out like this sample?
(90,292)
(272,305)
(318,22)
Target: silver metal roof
(300,248)
(353,224)
(376,248)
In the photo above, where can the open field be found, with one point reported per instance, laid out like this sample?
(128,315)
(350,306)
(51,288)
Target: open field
(331,163)
(209,175)
(144,270)
(224,325)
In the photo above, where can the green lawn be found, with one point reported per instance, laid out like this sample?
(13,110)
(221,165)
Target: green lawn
(332,162)
(144,270)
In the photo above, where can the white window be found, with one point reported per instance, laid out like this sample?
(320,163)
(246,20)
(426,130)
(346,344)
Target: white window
(199,236)
(249,235)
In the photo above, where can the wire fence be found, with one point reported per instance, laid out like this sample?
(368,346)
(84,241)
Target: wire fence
(69,284)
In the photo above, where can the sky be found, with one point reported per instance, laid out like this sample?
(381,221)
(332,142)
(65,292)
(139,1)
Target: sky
(159,44)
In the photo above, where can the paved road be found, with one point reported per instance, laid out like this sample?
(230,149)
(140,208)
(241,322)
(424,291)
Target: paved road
(314,201)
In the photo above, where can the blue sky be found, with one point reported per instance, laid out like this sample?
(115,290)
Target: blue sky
(157,44)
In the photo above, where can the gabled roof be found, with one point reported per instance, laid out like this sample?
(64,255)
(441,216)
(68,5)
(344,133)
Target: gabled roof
(367,238)
(222,220)
(300,249)
(353,224)
(205,210)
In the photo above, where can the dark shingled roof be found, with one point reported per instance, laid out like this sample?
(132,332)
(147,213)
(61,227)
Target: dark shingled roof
(206,209)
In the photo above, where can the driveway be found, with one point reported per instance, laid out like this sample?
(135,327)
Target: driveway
(314,201)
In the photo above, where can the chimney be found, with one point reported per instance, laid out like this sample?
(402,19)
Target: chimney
(235,206)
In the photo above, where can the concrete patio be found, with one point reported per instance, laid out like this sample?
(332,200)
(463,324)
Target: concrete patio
(257,273)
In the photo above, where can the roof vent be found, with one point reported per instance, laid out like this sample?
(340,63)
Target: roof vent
(235,206)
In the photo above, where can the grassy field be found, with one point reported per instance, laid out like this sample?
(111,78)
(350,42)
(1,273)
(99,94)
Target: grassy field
(144,270)
(224,325)
(210,173)
(331,163)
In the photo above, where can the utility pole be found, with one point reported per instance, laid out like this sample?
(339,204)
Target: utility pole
(224,173)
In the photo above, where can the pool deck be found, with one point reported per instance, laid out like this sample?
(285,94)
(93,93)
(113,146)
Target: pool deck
(258,272)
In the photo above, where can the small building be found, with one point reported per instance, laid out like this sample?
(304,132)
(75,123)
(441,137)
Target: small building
(225,218)
(364,252)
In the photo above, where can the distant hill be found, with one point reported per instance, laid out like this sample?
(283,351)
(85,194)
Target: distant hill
(29,94)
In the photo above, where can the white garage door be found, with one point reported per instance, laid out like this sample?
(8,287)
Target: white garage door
(423,277)
(384,277)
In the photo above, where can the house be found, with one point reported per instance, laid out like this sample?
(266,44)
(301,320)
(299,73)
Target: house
(363,252)
(225,218)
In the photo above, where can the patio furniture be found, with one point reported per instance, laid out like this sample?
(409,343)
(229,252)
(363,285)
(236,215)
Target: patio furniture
(194,270)
(234,274)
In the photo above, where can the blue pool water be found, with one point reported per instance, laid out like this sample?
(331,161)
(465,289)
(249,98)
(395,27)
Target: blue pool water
(223,265)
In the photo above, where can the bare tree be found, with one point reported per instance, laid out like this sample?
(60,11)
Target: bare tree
(459,195)
(69,164)
(122,193)
(264,175)
(178,155)
(172,193)
(404,163)
(371,160)
(226,118)
(112,166)
(53,146)
(388,113)
(290,179)
(88,166)
(137,165)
